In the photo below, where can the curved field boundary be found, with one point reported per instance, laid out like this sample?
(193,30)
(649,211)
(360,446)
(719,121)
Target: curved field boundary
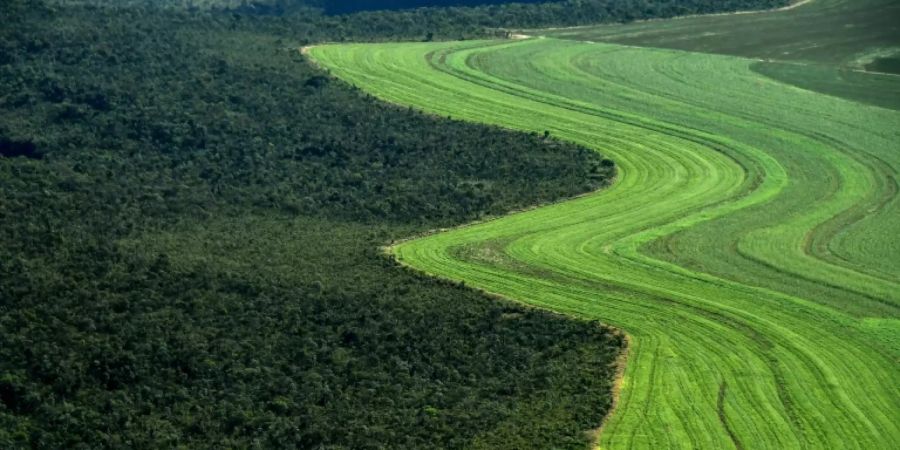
(830,51)
(748,246)
(833,32)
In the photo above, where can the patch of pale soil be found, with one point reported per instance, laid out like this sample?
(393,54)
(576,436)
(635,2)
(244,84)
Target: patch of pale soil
(616,390)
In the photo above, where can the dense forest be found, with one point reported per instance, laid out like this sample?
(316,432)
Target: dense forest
(189,232)
(351,6)
(323,20)
(190,216)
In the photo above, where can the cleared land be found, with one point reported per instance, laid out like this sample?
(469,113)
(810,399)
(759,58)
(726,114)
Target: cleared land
(839,47)
(748,250)
(748,247)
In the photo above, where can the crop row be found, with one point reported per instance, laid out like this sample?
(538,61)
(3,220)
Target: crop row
(748,246)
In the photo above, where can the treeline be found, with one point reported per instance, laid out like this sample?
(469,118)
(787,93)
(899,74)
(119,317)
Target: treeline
(189,220)
(352,6)
(317,20)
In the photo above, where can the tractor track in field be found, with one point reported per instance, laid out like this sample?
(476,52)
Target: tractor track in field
(743,245)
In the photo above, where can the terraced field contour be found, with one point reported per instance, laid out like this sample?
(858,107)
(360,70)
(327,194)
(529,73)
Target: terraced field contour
(748,247)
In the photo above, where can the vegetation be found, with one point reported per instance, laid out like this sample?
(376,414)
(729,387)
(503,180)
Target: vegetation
(503,13)
(868,87)
(889,65)
(350,6)
(191,212)
(748,246)
(310,20)
(839,41)
(190,216)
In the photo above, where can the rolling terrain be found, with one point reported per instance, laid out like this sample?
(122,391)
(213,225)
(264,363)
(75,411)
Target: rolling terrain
(189,251)
(190,222)
(845,48)
(748,246)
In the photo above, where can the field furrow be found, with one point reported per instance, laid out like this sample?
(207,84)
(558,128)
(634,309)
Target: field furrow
(748,246)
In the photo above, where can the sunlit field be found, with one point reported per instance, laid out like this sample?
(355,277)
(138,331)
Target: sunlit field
(748,246)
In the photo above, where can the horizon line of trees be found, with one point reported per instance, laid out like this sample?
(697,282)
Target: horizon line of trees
(381,20)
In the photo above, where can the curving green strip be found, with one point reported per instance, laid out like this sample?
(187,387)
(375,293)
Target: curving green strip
(748,246)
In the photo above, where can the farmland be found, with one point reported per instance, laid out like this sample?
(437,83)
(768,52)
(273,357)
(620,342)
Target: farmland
(844,48)
(190,221)
(747,247)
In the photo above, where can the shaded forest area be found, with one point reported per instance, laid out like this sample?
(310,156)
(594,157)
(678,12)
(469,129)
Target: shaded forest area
(352,6)
(189,220)
(190,216)
(324,20)
(551,12)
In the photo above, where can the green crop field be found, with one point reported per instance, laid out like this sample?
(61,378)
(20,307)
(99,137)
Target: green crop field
(831,46)
(748,247)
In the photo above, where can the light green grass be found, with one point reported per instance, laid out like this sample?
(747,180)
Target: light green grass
(748,247)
